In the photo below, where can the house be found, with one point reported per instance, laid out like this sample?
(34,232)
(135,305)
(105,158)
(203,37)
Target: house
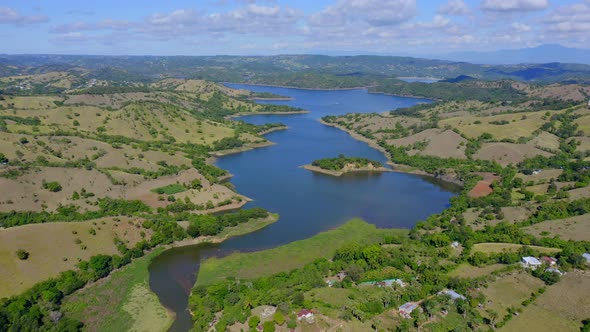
(554,270)
(384,283)
(537,171)
(586,256)
(406,309)
(550,261)
(454,295)
(455,244)
(341,275)
(530,262)
(305,314)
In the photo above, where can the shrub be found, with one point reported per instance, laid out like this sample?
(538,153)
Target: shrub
(53,186)
(22,254)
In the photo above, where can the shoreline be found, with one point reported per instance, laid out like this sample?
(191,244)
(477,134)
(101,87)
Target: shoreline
(317,169)
(244,148)
(219,238)
(272,130)
(332,89)
(237,115)
(399,168)
(272,98)
(299,88)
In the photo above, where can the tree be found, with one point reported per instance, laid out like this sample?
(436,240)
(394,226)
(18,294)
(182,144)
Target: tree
(22,254)
(253,321)
(3,158)
(279,318)
(268,326)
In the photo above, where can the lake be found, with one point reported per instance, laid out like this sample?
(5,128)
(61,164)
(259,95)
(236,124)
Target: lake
(307,202)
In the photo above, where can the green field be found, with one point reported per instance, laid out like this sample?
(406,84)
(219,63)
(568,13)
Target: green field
(122,302)
(170,189)
(290,256)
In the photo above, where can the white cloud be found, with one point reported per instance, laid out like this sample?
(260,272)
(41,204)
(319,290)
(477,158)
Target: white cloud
(11,16)
(454,7)
(519,27)
(514,5)
(372,12)
(573,18)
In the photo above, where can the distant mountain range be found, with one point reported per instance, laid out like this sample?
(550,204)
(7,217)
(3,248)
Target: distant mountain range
(541,54)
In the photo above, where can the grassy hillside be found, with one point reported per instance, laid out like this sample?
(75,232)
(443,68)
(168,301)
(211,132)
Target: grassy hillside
(289,256)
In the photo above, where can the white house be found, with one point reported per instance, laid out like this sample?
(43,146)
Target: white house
(305,314)
(587,256)
(530,262)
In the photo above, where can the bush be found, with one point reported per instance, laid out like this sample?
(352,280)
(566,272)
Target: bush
(268,326)
(253,321)
(22,254)
(53,186)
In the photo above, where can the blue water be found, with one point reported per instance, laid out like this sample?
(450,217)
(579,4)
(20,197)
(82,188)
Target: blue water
(307,202)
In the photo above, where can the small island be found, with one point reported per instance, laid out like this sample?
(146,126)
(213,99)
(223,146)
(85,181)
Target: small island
(342,164)
(268,96)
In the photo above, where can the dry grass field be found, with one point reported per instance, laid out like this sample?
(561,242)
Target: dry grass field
(509,291)
(512,214)
(489,248)
(441,143)
(470,271)
(561,308)
(535,318)
(508,153)
(544,176)
(575,228)
(54,247)
(518,124)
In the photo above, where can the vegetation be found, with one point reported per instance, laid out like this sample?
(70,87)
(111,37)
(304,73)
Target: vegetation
(22,254)
(339,163)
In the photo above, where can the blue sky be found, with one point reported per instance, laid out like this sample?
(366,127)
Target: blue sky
(205,27)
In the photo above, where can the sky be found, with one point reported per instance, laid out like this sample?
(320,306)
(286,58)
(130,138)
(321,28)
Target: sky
(262,27)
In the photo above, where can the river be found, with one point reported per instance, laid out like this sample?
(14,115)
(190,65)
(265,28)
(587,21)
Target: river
(307,202)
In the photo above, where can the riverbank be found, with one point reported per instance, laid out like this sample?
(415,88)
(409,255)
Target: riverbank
(291,255)
(317,169)
(247,147)
(237,115)
(124,310)
(229,232)
(333,89)
(272,130)
(299,88)
(395,167)
(271,98)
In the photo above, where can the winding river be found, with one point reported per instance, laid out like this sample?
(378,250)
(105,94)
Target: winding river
(307,202)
